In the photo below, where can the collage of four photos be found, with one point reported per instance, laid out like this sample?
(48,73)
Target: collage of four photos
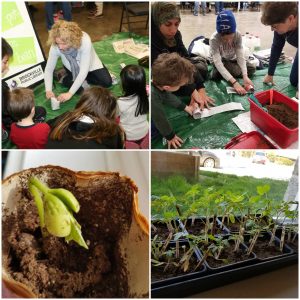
(149,149)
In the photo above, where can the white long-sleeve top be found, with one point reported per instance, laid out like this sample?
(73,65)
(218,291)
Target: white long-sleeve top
(220,50)
(135,127)
(87,60)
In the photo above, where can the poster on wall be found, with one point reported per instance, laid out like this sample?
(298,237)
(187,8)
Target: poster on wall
(25,66)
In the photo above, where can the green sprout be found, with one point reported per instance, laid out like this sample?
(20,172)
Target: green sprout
(55,208)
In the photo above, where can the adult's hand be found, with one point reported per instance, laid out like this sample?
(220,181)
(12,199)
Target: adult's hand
(49,94)
(175,142)
(64,97)
(202,99)
(268,79)
(239,89)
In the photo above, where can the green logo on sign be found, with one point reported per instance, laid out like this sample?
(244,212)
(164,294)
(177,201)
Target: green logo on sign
(24,51)
(11,16)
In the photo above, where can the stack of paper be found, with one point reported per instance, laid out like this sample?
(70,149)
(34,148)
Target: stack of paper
(131,48)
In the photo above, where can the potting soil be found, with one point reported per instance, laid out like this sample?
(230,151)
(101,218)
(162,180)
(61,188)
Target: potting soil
(216,131)
(160,273)
(49,266)
(284,114)
(228,257)
(263,250)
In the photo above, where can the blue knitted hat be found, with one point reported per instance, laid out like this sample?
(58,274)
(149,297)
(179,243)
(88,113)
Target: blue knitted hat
(226,22)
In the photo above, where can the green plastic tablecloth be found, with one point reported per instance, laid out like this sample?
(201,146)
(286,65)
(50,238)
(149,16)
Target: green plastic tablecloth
(216,131)
(112,61)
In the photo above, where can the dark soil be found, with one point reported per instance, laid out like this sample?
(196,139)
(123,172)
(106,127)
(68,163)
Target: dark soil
(51,267)
(263,250)
(228,257)
(157,273)
(293,245)
(162,231)
(199,227)
(284,114)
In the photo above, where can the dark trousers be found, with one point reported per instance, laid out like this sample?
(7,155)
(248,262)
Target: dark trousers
(233,68)
(294,71)
(65,7)
(99,77)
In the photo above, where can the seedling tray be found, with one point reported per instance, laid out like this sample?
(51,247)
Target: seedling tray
(207,280)
(181,277)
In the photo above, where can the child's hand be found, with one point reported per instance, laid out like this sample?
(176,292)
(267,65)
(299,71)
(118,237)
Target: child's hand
(49,94)
(64,97)
(239,89)
(202,99)
(175,142)
(247,81)
(190,108)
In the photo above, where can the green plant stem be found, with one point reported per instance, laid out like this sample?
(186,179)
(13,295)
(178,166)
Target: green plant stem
(38,184)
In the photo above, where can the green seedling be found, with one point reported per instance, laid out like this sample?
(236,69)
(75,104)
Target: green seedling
(55,209)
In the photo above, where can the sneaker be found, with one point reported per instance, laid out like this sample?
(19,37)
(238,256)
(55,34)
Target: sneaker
(95,16)
(60,74)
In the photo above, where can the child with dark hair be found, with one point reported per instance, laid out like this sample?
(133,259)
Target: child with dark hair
(228,54)
(91,125)
(7,118)
(134,106)
(170,71)
(283,19)
(26,134)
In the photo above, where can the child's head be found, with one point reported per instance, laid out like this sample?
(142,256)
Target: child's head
(281,16)
(133,80)
(100,105)
(170,71)
(7,52)
(21,103)
(226,25)
(97,102)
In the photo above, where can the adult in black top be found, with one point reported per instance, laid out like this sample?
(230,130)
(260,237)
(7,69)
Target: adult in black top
(283,19)
(166,38)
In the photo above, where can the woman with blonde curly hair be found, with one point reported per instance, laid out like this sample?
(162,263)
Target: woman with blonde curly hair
(81,63)
(91,125)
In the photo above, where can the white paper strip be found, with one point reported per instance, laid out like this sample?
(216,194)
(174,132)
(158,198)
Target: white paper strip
(198,114)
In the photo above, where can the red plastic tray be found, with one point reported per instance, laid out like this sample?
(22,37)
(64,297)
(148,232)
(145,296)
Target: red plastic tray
(282,135)
(250,140)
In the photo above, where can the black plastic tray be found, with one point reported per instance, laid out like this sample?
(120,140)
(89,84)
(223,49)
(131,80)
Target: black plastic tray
(210,281)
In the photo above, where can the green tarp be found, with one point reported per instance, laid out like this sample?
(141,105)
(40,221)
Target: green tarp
(112,61)
(216,131)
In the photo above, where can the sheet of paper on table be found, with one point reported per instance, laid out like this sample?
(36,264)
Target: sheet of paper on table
(244,123)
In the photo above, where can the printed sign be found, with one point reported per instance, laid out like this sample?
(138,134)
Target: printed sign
(11,16)
(27,78)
